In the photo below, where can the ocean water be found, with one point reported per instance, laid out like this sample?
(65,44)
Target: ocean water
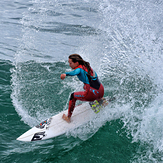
(122,40)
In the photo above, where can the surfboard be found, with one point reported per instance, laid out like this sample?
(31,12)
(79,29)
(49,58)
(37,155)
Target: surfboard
(56,126)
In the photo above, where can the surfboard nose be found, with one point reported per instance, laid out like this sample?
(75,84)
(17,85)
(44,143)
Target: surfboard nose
(27,136)
(20,138)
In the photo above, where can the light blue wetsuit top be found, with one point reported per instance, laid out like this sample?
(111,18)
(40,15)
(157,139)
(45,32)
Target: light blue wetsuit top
(81,74)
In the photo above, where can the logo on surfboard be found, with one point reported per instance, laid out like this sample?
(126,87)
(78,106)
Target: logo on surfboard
(38,136)
(44,123)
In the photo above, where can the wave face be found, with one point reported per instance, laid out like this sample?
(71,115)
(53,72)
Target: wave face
(123,42)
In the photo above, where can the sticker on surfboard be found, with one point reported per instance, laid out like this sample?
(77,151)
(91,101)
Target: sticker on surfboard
(44,124)
(99,105)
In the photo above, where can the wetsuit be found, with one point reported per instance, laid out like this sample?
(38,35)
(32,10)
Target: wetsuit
(94,90)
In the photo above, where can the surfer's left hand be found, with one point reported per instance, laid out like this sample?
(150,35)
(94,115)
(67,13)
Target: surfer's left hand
(63,76)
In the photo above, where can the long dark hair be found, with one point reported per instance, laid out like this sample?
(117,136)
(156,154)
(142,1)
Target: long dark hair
(77,58)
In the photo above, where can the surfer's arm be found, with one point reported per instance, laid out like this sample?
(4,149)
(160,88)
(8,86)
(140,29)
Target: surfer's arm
(73,73)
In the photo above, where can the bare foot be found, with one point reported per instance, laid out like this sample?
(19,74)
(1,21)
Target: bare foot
(66,118)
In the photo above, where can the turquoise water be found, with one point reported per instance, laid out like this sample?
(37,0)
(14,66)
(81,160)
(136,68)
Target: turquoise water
(123,43)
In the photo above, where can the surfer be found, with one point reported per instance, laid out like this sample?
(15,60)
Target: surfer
(94,90)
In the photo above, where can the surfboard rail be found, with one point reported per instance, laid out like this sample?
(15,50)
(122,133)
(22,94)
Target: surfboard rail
(56,126)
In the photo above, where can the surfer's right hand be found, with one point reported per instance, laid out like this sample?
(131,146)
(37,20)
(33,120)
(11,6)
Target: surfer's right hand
(63,76)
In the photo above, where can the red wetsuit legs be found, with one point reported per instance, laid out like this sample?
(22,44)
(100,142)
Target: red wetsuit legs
(71,106)
(90,94)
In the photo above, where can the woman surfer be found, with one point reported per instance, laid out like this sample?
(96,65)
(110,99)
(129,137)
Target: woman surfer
(94,90)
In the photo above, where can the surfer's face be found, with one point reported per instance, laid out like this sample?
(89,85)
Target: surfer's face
(72,64)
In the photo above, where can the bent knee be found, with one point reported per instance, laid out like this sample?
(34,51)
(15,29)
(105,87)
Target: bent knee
(72,96)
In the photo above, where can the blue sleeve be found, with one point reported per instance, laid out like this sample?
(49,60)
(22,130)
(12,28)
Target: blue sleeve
(73,73)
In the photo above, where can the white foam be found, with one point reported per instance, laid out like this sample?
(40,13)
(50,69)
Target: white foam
(129,46)
(133,56)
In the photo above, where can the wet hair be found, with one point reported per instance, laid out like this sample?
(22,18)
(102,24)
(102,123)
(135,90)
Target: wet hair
(77,58)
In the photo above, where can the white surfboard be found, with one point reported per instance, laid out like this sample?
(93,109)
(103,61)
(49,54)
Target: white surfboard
(56,126)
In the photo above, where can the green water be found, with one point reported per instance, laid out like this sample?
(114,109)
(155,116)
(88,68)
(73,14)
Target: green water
(122,40)
(107,142)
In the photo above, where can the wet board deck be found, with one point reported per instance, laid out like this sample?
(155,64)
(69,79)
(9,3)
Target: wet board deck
(56,126)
